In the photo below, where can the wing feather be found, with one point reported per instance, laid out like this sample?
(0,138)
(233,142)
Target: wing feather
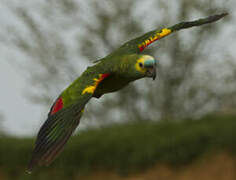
(55,132)
(138,44)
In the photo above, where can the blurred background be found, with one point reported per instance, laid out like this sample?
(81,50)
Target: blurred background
(180,126)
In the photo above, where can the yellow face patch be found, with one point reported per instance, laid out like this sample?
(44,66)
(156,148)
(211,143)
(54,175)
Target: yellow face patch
(142,60)
(164,32)
(92,88)
(137,66)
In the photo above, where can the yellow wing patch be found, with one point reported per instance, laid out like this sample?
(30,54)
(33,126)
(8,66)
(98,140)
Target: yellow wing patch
(92,88)
(164,32)
(89,89)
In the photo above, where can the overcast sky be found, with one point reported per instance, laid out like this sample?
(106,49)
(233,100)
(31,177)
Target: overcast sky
(21,118)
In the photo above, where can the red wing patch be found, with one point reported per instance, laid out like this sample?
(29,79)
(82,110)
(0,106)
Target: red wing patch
(105,76)
(58,105)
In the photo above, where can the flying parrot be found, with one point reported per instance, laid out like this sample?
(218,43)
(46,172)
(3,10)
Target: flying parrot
(109,74)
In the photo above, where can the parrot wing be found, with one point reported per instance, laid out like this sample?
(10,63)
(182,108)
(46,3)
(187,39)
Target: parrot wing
(138,44)
(63,118)
(55,132)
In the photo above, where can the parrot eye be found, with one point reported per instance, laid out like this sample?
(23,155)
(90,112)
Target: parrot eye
(141,64)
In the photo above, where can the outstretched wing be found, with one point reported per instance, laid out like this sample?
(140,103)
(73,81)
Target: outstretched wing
(138,44)
(56,131)
(64,117)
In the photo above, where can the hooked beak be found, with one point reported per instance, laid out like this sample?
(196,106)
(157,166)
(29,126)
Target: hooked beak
(151,72)
(150,66)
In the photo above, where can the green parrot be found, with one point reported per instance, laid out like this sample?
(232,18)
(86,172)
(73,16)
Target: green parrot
(109,74)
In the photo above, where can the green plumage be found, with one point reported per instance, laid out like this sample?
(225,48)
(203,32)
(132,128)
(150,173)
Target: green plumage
(109,74)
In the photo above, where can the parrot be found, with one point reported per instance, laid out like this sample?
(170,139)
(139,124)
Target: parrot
(109,74)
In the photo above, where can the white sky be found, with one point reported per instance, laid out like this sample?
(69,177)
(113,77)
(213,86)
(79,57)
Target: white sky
(21,118)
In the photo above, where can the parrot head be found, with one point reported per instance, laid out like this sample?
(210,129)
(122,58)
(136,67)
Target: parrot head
(146,65)
(138,66)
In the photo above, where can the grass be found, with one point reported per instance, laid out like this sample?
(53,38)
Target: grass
(125,148)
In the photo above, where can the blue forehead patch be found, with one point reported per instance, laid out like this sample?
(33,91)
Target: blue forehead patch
(150,63)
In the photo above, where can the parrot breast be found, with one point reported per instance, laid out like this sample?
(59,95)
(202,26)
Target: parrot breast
(111,84)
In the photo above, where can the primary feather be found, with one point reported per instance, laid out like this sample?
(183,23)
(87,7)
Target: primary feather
(55,132)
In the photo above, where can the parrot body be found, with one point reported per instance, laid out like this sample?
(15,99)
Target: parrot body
(110,74)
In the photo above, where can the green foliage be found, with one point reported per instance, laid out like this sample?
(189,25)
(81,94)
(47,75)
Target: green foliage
(1,129)
(125,148)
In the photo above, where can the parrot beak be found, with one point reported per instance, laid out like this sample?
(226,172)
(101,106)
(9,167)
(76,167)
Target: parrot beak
(150,66)
(154,74)
(151,72)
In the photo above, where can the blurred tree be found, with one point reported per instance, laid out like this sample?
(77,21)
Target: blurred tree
(1,120)
(62,36)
